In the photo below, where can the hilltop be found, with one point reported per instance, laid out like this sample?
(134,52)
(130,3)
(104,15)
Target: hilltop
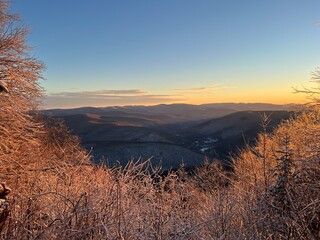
(170,134)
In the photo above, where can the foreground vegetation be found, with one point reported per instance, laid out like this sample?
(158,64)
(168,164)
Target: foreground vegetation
(273,191)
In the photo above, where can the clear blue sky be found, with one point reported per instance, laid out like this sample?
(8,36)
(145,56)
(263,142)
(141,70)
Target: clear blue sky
(102,52)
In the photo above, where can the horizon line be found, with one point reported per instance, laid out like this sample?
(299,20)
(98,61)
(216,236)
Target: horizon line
(170,104)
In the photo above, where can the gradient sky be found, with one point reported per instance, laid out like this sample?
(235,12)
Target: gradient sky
(127,52)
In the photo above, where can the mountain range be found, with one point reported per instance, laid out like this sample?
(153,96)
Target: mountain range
(169,135)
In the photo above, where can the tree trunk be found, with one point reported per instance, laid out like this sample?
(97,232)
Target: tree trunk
(4,205)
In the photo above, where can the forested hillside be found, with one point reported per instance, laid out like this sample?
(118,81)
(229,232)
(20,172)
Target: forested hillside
(51,190)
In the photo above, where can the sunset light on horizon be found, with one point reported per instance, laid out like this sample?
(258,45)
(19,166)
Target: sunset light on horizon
(115,53)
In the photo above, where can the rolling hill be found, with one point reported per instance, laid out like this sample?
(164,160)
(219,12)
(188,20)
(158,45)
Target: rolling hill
(170,134)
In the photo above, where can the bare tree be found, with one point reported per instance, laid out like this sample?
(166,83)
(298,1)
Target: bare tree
(314,92)
(19,74)
(19,92)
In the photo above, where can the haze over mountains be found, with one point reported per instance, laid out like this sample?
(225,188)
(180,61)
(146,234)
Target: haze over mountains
(170,134)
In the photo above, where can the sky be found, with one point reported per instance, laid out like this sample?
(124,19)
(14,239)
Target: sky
(146,52)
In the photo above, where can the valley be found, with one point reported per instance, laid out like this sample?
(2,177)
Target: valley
(169,135)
